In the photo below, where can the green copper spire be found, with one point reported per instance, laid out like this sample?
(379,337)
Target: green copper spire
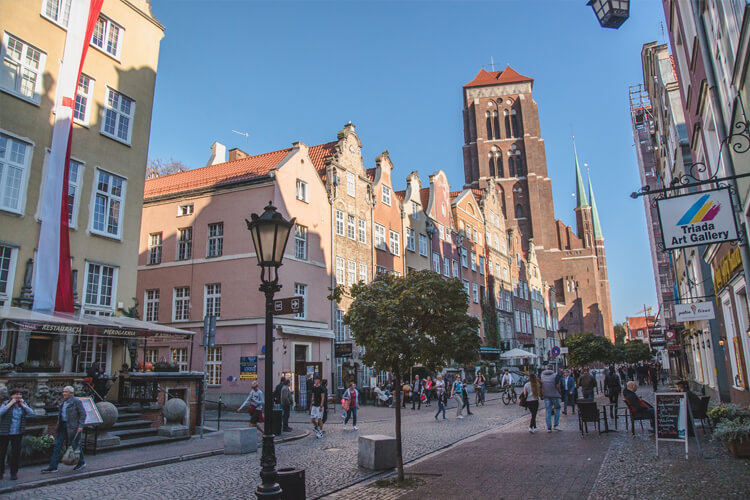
(594,213)
(580,193)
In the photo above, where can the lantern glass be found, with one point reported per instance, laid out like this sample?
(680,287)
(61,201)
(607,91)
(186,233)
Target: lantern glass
(270,233)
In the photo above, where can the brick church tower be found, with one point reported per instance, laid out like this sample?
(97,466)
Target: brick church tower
(503,141)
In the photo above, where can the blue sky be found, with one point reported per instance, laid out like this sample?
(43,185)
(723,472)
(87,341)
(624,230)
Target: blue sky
(285,71)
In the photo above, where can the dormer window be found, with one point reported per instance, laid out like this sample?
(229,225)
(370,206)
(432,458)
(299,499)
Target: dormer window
(186,209)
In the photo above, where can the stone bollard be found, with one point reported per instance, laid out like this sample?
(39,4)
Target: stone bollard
(377,452)
(109,415)
(174,412)
(240,441)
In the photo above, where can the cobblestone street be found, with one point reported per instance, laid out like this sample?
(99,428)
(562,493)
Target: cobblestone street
(330,463)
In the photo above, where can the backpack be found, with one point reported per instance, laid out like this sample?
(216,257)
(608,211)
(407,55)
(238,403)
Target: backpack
(277,394)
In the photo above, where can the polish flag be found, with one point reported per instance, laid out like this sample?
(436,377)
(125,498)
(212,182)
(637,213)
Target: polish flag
(53,277)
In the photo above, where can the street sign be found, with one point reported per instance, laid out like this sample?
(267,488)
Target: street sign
(289,305)
(555,352)
(670,334)
(209,331)
(563,350)
(343,350)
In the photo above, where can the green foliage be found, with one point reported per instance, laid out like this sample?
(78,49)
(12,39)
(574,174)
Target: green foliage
(728,411)
(420,318)
(728,431)
(36,445)
(586,348)
(489,318)
(620,334)
(636,351)
(132,312)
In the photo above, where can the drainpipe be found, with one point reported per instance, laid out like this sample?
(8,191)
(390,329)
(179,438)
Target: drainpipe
(331,198)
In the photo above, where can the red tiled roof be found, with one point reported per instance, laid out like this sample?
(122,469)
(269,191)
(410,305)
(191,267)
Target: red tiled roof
(508,75)
(401,194)
(232,171)
(424,196)
(638,322)
(477,193)
(371,174)
(454,194)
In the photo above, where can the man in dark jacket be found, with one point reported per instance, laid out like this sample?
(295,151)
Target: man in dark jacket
(587,382)
(69,427)
(286,405)
(612,388)
(637,405)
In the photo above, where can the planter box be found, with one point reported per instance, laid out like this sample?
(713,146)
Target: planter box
(739,449)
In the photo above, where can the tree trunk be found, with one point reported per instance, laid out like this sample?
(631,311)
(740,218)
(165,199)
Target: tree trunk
(399,450)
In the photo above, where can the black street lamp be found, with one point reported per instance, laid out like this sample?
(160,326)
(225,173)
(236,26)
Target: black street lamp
(270,233)
(563,333)
(611,13)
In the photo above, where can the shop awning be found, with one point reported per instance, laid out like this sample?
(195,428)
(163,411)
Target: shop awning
(518,353)
(322,333)
(485,349)
(77,323)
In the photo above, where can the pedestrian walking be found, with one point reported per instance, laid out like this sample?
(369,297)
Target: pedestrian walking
(442,396)
(417,393)
(287,400)
(532,391)
(569,392)
(13,413)
(654,374)
(428,388)
(479,386)
(456,393)
(317,406)
(406,390)
(465,398)
(352,396)
(254,403)
(70,421)
(551,395)
(588,384)
(612,390)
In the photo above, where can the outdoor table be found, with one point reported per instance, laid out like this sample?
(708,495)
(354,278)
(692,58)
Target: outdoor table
(605,407)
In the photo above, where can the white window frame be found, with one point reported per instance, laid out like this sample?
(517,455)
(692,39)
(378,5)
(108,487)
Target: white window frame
(455,268)
(446,267)
(24,168)
(339,326)
(74,191)
(481,264)
(386,195)
(151,305)
(340,228)
(302,191)
(423,245)
(63,11)
(340,270)
(184,252)
(351,272)
(351,184)
(99,307)
(22,67)
(475,293)
(464,258)
(184,300)
(212,300)
(110,198)
(415,209)
(394,238)
(215,240)
(351,227)
(300,290)
(410,241)
(11,257)
(213,366)
(179,358)
(119,115)
(155,250)
(379,237)
(436,262)
(363,272)
(473,260)
(185,209)
(300,242)
(362,231)
(104,47)
(85,98)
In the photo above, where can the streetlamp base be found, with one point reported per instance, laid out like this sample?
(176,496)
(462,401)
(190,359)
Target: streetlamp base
(266,491)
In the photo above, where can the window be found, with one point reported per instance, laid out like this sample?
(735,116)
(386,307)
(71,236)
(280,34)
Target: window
(455,268)
(475,293)
(151,312)
(477,237)
(93,349)
(301,190)
(415,210)
(8,257)
(213,365)
(481,264)
(380,270)
(151,356)
(107,36)
(473,261)
(517,314)
(395,239)
(179,357)
(505,273)
(466,289)
(100,287)
(185,243)
(81,112)
(339,270)
(423,244)
(351,185)
(215,240)
(362,230)
(14,164)
(380,237)
(186,209)
(351,276)
(118,116)
(57,11)
(464,260)
(436,262)
(181,309)
(75,172)
(387,195)
(23,65)
(212,300)
(350,227)
(341,328)
(109,201)
(446,266)
(441,232)
(300,242)
(339,223)
(363,272)
(410,243)
(300,290)
(154,248)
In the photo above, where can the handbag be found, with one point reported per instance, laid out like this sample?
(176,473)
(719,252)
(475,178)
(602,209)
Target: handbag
(73,454)
(522,400)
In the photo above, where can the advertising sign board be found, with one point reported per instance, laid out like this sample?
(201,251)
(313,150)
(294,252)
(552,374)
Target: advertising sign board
(694,312)
(694,219)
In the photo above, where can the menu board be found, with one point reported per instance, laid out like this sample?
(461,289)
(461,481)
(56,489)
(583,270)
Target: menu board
(671,418)
(92,412)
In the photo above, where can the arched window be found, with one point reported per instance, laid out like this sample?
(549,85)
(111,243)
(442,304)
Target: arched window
(514,121)
(511,166)
(496,119)
(519,166)
(499,164)
(492,164)
(519,211)
(489,125)
(507,124)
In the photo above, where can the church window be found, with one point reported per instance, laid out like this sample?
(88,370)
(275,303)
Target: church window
(519,211)
(511,166)
(499,164)
(519,166)
(489,125)
(492,164)
(507,125)
(496,121)
(514,122)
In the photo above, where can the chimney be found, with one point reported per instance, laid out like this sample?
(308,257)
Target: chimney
(218,154)
(237,154)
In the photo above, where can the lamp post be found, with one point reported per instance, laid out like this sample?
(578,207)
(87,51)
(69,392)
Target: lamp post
(270,233)
(563,333)
(610,13)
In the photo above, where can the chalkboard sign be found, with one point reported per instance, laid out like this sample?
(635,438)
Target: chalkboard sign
(671,418)
(92,412)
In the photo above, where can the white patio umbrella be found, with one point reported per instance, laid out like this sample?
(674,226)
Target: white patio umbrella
(518,353)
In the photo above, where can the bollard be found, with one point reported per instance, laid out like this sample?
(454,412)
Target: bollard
(218,423)
(292,483)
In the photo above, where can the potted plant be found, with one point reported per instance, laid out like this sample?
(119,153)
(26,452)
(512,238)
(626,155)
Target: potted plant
(736,434)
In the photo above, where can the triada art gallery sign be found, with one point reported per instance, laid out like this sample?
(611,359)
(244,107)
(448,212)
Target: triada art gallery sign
(694,219)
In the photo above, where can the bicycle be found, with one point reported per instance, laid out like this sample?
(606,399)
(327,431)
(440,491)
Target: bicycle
(509,394)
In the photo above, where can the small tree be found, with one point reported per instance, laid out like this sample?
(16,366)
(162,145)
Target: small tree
(620,334)
(585,348)
(402,321)
(636,351)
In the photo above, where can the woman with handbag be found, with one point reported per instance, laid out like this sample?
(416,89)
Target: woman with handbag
(531,394)
(69,427)
(254,402)
(13,413)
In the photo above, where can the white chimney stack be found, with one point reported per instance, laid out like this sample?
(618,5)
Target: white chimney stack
(218,154)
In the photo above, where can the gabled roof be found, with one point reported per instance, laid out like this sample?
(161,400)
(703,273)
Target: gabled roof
(424,197)
(478,193)
(231,172)
(401,195)
(370,174)
(508,75)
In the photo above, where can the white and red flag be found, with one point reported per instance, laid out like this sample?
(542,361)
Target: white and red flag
(53,276)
